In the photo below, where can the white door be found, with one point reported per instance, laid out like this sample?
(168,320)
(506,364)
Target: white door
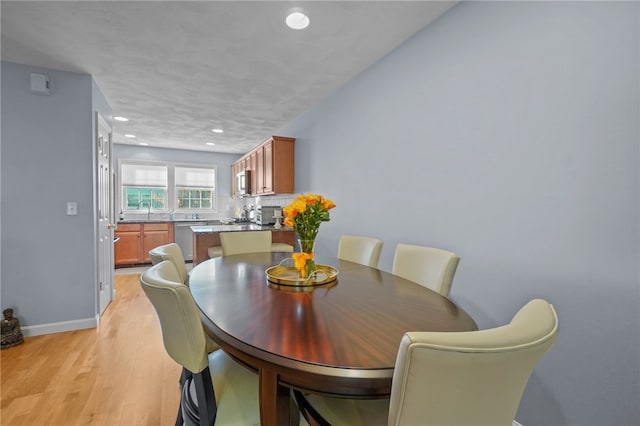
(106,214)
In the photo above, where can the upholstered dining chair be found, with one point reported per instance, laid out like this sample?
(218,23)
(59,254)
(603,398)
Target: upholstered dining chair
(172,252)
(452,378)
(232,396)
(430,267)
(245,242)
(363,250)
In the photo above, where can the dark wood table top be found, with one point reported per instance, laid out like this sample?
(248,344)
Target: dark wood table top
(338,340)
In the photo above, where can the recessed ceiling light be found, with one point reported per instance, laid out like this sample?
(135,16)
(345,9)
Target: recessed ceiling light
(129,135)
(217,130)
(118,118)
(211,144)
(143,143)
(297,20)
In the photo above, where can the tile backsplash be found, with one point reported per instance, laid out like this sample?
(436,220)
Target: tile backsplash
(226,208)
(235,206)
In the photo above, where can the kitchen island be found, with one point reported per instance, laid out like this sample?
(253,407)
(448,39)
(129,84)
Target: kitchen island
(209,236)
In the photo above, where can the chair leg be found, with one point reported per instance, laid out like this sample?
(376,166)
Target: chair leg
(207,407)
(184,376)
(308,412)
(188,405)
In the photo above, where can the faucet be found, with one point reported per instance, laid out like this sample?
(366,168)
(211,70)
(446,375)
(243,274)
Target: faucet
(148,207)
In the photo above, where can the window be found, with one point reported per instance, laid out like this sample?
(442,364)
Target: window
(155,186)
(144,186)
(194,188)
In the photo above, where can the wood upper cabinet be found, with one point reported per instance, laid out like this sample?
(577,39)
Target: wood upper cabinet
(268,168)
(278,166)
(136,239)
(253,166)
(272,167)
(259,172)
(233,180)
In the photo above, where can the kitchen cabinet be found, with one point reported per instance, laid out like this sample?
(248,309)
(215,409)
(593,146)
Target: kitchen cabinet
(127,249)
(253,165)
(234,192)
(272,167)
(136,239)
(275,168)
(259,172)
(154,235)
(242,165)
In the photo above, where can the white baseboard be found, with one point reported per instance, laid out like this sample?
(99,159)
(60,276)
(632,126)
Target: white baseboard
(59,327)
(515,423)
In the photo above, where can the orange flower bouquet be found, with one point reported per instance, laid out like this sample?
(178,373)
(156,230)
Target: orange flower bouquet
(304,215)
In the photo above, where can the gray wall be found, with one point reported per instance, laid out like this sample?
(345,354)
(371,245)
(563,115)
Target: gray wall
(48,258)
(507,132)
(221,161)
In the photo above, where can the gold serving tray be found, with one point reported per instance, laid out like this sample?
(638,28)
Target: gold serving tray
(289,275)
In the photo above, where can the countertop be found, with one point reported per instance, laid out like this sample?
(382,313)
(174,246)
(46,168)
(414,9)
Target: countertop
(160,220)
(209,229)
(212,225)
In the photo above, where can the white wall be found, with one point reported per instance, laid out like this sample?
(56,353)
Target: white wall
(507,132)
(48,258)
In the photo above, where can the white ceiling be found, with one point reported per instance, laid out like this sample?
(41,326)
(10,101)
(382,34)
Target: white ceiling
(177,69)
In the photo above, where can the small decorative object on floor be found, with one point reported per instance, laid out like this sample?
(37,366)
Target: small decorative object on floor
(11,332)
(304,215)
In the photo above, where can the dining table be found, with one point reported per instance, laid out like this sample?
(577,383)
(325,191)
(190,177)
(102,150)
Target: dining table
(339,338)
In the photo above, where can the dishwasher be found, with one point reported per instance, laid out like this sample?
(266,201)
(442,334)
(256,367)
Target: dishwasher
(184,237)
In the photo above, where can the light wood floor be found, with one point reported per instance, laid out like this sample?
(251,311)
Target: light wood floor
(117,374)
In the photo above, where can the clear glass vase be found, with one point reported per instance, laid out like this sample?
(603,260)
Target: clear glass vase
(307,246)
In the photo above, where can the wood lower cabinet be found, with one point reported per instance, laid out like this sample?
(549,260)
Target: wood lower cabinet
(154,235)
(127,248)
(136,239)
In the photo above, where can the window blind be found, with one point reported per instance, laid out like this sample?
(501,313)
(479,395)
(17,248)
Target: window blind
(144,175)
(192,177)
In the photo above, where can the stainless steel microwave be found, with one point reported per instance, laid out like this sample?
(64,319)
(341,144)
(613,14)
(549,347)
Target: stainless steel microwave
(243,183)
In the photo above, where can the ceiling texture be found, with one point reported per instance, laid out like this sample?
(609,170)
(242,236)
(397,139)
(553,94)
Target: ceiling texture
(178,69)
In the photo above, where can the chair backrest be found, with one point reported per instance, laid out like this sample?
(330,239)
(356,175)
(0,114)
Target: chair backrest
(470,378)
(430,267)
(172,252)
(182,332)
(362,250)
(245,242)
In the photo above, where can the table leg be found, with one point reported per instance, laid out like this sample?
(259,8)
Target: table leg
(277,408)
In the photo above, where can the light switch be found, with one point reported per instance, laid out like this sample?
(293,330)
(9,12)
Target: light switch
(72,208)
